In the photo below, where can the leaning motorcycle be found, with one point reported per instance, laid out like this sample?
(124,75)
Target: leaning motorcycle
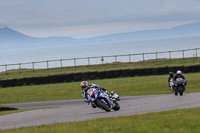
(179,86)
(104,100)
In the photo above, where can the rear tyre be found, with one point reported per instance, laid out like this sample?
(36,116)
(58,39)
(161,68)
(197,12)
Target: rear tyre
(103,106)
(117,106)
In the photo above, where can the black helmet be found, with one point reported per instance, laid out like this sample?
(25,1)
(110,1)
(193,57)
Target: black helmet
(171,74)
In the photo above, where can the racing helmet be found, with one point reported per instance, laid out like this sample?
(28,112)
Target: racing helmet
(84,84)
(179,72)
(171,74)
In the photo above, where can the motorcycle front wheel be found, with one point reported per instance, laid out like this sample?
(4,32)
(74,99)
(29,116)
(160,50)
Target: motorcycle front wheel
(180,90)
(103,105)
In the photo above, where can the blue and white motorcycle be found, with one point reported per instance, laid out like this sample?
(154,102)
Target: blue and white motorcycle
(104,100)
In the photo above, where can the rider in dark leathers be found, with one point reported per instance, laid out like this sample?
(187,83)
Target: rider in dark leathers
(180,75)
(171,76)
(170,79)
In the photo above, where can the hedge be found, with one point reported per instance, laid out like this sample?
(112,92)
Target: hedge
(96,75)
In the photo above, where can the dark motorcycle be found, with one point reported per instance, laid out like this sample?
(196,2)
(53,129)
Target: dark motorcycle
(179,86)
(104,101)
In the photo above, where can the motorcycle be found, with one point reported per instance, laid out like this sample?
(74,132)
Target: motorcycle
(104,100)
(179,86)
(171,85)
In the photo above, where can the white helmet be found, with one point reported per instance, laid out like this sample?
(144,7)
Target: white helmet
(178,72)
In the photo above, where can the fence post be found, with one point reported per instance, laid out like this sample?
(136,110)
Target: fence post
(33,65)
(115,58)
(60,62)
(47,64)
(156,55)
(196,51)
(74,61)
(183,53)
(6,69)
(129,58)
(19,66)
(102,59)
(88,60)
(169,54)
(143,56)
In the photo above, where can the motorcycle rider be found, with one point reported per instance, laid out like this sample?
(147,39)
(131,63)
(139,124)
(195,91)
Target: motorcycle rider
(171,76)
(85,87)
(180,75)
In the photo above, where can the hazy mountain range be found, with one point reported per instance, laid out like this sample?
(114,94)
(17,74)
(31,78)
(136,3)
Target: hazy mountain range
(11,39)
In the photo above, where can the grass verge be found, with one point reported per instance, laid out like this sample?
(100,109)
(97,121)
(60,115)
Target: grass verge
(12,74)
(129,86)
(175,121)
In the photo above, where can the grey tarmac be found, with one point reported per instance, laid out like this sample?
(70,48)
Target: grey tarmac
(77,110)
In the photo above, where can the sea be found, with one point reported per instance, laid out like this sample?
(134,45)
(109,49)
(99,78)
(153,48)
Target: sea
(75,55)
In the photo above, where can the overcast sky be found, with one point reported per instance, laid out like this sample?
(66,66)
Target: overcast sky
(87,18)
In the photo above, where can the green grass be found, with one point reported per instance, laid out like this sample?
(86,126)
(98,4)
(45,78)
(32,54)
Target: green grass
(175,121)
(112,66)
(129,86)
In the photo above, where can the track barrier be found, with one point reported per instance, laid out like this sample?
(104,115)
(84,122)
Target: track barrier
(74,77)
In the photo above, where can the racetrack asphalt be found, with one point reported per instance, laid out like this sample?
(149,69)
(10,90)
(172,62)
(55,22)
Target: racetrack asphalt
(77,110)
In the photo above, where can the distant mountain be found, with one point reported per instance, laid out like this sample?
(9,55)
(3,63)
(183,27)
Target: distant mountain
(7,34)
(11,39)
(179,31)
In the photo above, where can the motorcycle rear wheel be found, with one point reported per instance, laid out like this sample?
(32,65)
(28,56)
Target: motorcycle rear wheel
(175,91)
(117,106)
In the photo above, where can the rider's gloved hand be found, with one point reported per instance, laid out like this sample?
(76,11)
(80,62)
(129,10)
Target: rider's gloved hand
(87,101)
(103,89)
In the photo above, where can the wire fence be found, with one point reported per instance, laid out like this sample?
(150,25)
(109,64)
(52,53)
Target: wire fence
(101,60)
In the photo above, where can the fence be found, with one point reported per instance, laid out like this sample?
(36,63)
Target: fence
(102,60)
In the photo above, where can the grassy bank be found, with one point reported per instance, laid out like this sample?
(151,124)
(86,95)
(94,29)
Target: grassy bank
(113,66)
(175,121)
(130,86)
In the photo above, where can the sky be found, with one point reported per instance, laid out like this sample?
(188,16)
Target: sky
(89,18)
